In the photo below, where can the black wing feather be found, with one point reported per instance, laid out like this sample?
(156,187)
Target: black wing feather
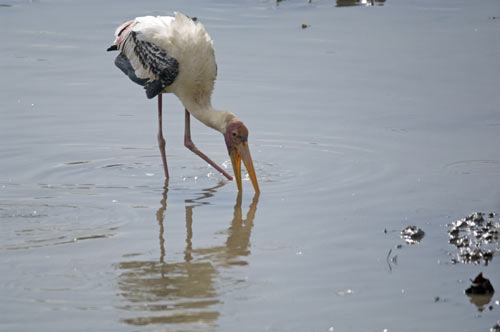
(125,66)
(164,67)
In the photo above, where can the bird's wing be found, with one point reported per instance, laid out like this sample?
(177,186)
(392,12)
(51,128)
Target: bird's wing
(161,67)
(151,63)
(123,63)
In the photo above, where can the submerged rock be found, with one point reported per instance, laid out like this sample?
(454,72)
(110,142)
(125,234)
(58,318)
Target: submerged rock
(412,234)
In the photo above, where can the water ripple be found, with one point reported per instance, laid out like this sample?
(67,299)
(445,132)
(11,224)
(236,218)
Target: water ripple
(318,164)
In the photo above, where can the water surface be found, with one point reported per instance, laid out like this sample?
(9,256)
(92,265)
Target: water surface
(373,118)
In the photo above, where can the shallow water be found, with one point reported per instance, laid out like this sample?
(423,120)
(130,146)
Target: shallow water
(371,119)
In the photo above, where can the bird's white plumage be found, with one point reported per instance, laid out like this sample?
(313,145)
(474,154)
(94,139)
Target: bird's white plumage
(189,43)
(153,29)
(174,54)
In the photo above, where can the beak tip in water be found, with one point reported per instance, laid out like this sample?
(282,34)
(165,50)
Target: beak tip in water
(241,152)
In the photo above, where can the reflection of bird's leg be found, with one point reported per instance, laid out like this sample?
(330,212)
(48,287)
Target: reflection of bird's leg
(188,143)
(252,209)
(189,234)
(160,218)
(190,205)
(238,214)
(207,193)
(161,140)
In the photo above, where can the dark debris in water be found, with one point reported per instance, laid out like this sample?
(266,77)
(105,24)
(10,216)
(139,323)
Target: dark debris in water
(475,237)
(412,234)
(480,286)
(391,261)
(91,237)
(112,165)
(350,3)
(77,162)
(480,292)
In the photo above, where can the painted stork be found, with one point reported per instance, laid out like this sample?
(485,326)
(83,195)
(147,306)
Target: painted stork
(175,55)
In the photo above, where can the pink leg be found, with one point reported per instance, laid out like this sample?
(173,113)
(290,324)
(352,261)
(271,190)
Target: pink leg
(161,140)
(188,143)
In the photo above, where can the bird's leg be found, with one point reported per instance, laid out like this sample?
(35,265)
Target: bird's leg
(188,143)
(161,140)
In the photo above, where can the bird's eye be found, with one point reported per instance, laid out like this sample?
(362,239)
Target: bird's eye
(234,134)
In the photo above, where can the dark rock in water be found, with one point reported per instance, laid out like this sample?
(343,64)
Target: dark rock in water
(475,238)
(412,234)
(495,328)
(480,286)
(480,292)
(475,217)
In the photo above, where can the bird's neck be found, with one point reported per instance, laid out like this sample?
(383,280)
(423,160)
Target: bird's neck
(205,113)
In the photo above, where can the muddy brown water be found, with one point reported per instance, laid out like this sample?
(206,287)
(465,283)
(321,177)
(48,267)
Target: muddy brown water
(371,119)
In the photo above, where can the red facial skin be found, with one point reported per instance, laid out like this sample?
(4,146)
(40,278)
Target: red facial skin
(236,137)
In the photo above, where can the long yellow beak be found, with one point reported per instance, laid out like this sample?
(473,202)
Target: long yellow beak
(242,152)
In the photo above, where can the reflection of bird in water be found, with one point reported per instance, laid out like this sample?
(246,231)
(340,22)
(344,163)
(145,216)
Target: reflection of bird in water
(175,55)
(238,239)
(185,292)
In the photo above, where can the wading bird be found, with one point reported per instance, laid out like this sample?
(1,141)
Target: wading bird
(175,55)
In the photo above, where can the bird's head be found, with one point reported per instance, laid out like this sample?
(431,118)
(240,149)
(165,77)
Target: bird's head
(236,137)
